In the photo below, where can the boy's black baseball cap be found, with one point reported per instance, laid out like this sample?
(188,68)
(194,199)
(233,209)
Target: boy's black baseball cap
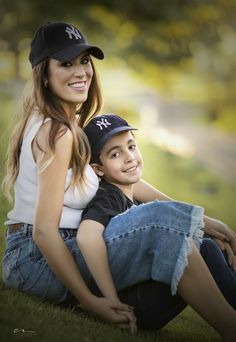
(61,41)
(102,128)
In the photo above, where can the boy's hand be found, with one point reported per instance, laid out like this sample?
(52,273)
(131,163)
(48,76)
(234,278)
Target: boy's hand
(113,311)
(226,247)
(220,231)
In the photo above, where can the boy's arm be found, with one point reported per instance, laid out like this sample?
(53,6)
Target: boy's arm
(145,192)
(223,235)
(91,243)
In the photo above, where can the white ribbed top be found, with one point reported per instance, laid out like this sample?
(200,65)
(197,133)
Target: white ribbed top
(25,189)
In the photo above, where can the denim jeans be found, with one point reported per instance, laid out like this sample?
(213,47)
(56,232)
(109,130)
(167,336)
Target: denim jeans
(153,302)
(146,243)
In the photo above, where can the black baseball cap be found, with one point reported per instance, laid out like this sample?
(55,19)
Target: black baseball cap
(61,41)
(102,128)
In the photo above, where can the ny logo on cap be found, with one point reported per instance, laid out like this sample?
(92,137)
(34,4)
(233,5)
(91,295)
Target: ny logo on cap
(72,31)
(103,124)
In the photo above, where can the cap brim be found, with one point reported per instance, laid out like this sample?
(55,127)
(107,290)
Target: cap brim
(74,51)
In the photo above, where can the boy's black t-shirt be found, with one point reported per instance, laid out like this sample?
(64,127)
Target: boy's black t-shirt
(108,202)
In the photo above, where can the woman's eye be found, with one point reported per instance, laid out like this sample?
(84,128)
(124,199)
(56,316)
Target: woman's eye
(66,64)
(85,60)
(132,147)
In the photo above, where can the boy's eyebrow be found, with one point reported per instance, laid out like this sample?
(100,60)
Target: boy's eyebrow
(118,146)
(112,148)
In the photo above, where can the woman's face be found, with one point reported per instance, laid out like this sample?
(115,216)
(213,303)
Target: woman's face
(70,81)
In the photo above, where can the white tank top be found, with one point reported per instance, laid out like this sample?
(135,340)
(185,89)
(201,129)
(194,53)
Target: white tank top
(25,188)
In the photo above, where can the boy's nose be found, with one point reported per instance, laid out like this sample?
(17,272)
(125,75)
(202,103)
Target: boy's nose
(129,157)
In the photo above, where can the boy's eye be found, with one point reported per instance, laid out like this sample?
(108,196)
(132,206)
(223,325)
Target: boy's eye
(115,155)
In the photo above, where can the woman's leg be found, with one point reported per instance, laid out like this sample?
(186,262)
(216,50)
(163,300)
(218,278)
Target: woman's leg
(199,289)
(222,273)
(153,302)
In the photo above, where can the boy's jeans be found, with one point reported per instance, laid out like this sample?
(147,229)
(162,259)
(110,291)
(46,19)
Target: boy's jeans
(153,302)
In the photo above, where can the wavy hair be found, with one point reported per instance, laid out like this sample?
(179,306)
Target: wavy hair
(41,99)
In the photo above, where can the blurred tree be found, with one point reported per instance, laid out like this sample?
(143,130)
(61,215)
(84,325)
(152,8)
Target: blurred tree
(159,32)
(162,30)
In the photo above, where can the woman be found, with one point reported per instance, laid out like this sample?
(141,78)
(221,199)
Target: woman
(48,165)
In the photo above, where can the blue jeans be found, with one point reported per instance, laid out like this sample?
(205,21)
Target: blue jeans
(153,302)
(149,242)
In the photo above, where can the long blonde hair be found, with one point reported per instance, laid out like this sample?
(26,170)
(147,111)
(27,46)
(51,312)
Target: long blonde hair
(41,99)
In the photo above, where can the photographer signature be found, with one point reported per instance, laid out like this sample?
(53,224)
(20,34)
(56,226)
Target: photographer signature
(24,332)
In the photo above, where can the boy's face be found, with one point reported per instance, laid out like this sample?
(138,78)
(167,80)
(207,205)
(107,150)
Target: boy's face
(121,160)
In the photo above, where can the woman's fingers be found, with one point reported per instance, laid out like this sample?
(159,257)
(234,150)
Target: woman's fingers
(131,321)
(130,316)
(122,306)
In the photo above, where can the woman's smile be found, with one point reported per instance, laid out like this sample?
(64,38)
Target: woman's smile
(78,85)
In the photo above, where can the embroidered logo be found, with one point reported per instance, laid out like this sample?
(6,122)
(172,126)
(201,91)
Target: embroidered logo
(103,124)
(72,31)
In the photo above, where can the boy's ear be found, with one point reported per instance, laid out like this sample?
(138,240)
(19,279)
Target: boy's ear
(97,169)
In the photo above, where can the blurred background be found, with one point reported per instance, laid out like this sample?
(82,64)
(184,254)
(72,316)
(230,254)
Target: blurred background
(169,68)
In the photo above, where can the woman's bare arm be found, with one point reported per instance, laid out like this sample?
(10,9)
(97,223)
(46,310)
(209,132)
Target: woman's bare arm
(51,185)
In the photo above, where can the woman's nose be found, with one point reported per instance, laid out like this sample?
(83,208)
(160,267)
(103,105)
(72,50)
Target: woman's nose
(79,71)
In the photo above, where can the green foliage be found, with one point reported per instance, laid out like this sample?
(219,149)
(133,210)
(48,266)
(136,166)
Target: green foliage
(183,48)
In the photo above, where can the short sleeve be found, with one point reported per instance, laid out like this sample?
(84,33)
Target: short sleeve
(106,204)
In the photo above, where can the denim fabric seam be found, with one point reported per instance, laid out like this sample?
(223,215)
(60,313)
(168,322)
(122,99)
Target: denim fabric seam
(149,226)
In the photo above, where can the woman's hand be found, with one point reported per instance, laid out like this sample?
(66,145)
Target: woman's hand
(220,232)
(113,311)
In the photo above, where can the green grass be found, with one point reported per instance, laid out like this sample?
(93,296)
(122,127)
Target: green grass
(52,323)
(182,179)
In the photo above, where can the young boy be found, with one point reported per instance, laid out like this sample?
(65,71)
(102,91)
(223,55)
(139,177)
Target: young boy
(116,159)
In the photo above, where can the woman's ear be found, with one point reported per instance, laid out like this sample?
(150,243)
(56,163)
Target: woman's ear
(45,83)
(97,169)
